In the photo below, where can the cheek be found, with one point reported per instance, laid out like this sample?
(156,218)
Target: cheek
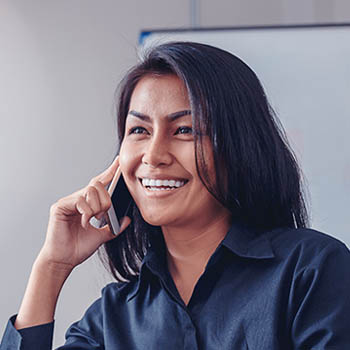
(127,158)
(205,164)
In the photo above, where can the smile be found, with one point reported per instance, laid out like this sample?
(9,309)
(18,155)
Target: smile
(162,185)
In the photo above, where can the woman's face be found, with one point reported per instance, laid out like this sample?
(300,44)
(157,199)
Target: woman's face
(157,155)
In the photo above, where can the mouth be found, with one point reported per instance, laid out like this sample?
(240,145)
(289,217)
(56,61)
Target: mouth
(162,185)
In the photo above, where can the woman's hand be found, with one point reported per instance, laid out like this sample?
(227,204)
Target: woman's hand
(70,240)
(70,237)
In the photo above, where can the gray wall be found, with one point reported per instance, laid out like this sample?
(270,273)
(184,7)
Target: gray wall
(60,62)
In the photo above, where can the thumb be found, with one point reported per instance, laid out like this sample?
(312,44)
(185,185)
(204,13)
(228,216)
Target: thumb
(107,233)
(124,223)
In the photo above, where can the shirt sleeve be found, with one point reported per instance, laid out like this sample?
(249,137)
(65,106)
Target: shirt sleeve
(37,337)
(86,334)
(321,303)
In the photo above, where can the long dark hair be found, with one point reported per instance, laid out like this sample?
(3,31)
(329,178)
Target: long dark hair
(257,176)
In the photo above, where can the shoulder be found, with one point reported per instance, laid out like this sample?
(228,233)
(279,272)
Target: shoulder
(312,271)
(307,247)
(112,297)
(303,238)
(118,291)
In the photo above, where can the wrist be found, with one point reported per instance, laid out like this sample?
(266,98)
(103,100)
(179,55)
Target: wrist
(51,268)
(44,286)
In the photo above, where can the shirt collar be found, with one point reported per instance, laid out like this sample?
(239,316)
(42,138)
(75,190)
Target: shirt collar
(154,261)
(240,240)
(248,242)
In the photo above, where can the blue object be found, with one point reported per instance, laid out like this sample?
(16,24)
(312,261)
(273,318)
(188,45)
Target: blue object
(283,289)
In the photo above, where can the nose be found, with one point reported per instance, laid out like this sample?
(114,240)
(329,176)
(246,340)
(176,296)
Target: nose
(156,153)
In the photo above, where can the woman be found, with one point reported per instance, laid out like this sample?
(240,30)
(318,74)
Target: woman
(216,254)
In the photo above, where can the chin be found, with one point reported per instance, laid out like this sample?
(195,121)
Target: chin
(156,219)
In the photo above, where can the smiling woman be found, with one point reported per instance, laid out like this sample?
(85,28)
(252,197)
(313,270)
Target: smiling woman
(216,253)
(163,149)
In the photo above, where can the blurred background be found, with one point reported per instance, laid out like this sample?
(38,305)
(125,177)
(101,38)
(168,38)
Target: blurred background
(60,63)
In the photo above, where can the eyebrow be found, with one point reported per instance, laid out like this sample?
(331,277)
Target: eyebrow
(171,116)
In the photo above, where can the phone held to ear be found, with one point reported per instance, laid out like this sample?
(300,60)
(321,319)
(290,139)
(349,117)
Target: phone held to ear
(121,203)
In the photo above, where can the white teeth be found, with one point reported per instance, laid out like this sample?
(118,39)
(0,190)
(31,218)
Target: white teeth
(161,188)
(158,183)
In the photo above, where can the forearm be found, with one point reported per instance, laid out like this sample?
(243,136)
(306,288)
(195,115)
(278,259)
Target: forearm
(41,295)
(70,240)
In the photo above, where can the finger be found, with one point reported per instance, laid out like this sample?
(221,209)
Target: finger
(86,212)
(92,198)
(106,176)
(104,200)
(67,205)
(107,233)
(124,223)
(99,216)
(104,197)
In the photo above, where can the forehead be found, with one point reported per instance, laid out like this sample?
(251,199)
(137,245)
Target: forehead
(159,95)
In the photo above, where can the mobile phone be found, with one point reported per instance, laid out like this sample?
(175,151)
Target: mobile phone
(121,204)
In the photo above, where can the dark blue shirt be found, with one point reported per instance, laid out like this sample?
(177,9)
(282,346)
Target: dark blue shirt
(278,290)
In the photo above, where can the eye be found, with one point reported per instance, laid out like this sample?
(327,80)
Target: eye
(184,130)
(137,130)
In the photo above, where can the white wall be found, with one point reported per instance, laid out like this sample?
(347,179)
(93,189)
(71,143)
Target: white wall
(60,62)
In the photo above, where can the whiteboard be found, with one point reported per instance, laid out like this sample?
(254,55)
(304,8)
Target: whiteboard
(305,71)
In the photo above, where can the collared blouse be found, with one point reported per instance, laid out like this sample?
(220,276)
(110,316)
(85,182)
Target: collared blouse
(279,290)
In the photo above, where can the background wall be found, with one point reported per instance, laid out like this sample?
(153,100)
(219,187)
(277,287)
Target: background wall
(60,62)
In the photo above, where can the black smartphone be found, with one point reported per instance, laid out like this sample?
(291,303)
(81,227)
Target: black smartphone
(121,204)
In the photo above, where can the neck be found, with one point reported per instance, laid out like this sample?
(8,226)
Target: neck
(189,248)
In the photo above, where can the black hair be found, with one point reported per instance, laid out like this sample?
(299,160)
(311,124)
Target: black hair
(257,176)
